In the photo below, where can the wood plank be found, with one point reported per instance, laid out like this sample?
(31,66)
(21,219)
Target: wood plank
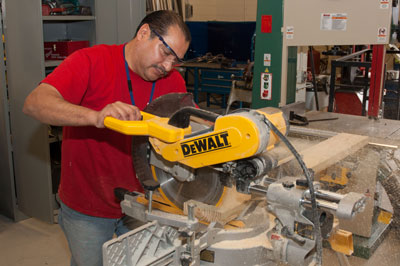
(330,151)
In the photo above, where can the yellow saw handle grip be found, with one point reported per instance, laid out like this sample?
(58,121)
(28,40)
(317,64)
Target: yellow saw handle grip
(150,125)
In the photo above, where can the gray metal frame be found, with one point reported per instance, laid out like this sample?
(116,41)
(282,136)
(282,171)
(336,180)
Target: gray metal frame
(31,192)
(8,199)
(25,69)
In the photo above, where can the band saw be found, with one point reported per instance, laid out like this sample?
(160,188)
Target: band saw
(209,196)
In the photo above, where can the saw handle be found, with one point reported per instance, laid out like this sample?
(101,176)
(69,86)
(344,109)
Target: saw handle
(181,118)
(150,125)
(139,127)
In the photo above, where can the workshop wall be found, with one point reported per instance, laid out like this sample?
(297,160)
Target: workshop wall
(223,10)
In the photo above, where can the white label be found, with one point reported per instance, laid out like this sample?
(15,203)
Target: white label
(333,21)
(289,32)
(266,86)
(326,22)
(339,22)
(382,34)
(267,59)
(384,4)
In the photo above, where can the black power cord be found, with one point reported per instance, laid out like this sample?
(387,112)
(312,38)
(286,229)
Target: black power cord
(310,179)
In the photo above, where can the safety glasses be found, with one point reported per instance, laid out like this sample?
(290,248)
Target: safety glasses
(177,60)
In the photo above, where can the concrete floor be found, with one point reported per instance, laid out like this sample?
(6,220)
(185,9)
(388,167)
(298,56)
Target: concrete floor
(35,243)
(32,243)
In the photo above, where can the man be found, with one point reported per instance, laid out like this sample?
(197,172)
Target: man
(91,84)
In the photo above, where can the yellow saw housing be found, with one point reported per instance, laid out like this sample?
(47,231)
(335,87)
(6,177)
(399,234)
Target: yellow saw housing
(233,137)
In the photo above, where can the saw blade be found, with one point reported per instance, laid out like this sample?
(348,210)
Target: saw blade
(206,187)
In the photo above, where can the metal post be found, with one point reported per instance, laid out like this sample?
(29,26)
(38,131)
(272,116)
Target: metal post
(313,77)
(365,92)
(377,75)
(191,207)
(332,87)
(150,201)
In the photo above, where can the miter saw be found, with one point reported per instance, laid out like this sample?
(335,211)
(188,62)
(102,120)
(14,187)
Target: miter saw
(195,165)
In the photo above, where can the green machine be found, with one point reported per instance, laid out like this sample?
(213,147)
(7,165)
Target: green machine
(284,25)
(268,57)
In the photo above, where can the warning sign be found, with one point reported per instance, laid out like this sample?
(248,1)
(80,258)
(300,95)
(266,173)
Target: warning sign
(333,21)
(382,34)
(267,59)
(289,32)
(384,4)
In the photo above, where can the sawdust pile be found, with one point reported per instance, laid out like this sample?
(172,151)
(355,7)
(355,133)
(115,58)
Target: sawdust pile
(389,177)
(392,187)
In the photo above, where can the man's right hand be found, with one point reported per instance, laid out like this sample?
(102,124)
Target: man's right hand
(118,110)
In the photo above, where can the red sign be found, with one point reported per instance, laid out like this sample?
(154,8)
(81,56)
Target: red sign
(266,23)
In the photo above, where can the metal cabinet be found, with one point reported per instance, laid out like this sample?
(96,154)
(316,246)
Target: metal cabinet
(25,180)
(8,200)
(218,81)
(211,78)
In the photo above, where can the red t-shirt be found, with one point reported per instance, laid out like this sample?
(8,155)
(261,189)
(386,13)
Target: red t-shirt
(95,161)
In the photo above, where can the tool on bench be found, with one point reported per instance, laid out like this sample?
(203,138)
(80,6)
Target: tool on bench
(304,121)
(194,172)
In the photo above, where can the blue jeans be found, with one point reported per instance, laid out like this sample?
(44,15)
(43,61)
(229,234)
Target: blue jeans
(86,235)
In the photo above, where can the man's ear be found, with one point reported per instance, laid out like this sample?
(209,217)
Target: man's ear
(144,32)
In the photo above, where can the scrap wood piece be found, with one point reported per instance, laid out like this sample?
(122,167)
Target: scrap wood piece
(330,151)
(233,203)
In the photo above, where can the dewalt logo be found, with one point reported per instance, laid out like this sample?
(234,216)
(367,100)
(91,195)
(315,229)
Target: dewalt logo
(205,144)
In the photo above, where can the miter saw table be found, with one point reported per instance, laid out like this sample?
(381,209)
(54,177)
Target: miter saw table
(217,191)
(374,236)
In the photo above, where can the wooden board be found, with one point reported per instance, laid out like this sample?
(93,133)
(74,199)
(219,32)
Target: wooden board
(328,152)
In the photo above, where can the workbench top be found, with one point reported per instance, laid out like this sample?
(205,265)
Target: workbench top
(384,131)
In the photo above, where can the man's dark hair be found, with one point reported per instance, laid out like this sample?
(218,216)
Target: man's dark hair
(161,20)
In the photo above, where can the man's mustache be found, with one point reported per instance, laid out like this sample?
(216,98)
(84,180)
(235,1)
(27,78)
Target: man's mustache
(162,69)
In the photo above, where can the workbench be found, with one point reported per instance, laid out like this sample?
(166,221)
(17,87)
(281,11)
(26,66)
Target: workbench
(385,131)
(211,78)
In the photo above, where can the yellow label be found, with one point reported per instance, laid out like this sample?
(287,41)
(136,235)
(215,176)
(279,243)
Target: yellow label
(205,144)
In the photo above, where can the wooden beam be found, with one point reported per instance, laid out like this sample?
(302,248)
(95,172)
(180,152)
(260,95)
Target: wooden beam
(233,203)
(328,152)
